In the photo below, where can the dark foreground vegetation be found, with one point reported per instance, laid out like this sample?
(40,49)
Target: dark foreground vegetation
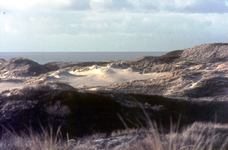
(80,113)
(77,113)
(199,136)
(42,112)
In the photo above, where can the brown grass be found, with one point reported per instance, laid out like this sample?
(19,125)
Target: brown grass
(198,136)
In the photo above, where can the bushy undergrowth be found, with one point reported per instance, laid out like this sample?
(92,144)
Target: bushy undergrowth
(190,110)
(81,114)
(199,136)
(35,106)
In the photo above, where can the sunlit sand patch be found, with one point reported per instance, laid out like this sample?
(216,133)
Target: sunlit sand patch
(9,86)
(100,76)
(90,77)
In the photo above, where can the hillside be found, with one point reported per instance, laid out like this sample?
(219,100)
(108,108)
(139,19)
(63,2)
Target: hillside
(21,67)
(182,88)
(201,71)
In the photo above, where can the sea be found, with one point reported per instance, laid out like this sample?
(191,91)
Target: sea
(45,57)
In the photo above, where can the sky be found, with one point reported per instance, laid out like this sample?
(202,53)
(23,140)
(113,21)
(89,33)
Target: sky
(110,25)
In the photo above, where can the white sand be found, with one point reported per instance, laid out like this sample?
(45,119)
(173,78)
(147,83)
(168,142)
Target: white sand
(97,75)
(9,86)
(93,76)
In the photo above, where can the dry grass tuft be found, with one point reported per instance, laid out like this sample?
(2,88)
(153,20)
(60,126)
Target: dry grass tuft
(198,136)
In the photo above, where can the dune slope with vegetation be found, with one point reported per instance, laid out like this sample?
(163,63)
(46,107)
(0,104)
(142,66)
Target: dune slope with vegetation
(174,101)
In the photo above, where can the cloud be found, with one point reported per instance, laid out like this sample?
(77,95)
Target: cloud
(181,6)
(79,5)
(209,6)
(109,5)
(100,5)
(151,6)
(181,3)
(121,23)
(135,6)
(111,24)
(26,5)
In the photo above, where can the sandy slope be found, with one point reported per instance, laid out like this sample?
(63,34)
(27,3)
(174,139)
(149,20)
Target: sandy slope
(90,76)
(10,86)
(96,75)
(202,67)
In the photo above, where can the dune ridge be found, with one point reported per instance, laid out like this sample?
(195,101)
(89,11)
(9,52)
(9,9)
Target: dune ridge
(89,97)
(179,73)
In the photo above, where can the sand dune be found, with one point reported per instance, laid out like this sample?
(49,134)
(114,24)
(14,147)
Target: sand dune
(9,86)
(192,68)
(91,76)
(97,75)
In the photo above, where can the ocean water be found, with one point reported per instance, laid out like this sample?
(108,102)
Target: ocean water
(45,57)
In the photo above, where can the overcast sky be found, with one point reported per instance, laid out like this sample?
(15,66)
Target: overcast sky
(110,25)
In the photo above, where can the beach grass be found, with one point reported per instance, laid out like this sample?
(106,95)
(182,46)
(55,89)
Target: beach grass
(198,136)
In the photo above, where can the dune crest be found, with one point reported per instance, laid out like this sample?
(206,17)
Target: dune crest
(85,97)
(177,73)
